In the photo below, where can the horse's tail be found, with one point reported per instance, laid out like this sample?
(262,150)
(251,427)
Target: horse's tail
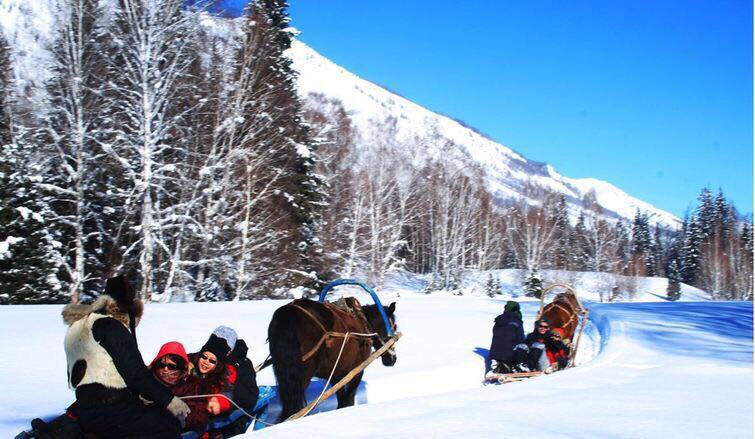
(285,353)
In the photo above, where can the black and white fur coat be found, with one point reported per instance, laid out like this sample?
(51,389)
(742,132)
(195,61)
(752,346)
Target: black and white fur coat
(104,363)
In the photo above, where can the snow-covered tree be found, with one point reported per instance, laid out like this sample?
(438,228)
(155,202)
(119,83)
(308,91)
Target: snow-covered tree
(149,63)
(643,263)
(691,250)
(29,249)
(72,131)
(532,230)
(533,284)
(578,242)
(622,254)
(492,285)
(601,241)
(673,291)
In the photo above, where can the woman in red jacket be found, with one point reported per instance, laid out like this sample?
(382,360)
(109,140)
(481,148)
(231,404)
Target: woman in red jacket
(172,368)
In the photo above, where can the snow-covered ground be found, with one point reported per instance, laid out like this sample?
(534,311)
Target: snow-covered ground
(645,370)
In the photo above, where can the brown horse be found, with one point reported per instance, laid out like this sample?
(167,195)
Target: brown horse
(562,312)
(306,338)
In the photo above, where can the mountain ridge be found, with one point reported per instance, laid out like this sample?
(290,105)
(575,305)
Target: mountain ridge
(507,171)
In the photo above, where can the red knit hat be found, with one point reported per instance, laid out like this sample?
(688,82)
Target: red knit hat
(171,348)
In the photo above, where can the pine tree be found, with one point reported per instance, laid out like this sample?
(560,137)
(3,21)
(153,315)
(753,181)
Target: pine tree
(533,284)
(492,286)
(578,244)
(302,184)
(691,250)
(673,291)
(642,251)
(6,121)
(29,252)
(706,212)
(435,284)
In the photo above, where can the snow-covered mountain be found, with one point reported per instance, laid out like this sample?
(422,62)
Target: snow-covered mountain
(430,134)
(28,26)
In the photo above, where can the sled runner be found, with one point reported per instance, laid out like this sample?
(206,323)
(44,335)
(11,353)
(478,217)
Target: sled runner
(504,378)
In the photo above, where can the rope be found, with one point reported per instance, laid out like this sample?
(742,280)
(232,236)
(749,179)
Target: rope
(317,401)
(215,395)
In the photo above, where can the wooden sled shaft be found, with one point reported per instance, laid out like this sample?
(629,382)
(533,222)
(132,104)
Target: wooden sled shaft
(345,380)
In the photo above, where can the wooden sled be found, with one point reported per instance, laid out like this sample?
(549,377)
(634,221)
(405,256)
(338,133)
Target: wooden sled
(504,378)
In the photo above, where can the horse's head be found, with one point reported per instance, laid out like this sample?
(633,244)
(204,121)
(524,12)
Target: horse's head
(375,320)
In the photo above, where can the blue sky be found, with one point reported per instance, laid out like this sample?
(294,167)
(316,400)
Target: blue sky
(653,96)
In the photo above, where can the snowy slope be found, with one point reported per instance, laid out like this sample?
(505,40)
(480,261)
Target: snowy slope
(645,370)
(427,133)
(589,285)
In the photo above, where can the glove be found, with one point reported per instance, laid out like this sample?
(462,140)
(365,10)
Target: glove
(179,409)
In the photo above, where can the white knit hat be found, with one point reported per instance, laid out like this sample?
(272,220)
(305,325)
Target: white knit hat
(227,334)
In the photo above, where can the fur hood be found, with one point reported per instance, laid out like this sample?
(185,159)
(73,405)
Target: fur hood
(103,305)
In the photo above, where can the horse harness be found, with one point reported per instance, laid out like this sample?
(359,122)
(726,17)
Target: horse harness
(572,315)
(328,334)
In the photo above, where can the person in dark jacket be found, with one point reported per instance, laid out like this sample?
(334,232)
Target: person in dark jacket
(108,373)
(171,367)
(530,355)
(246,391)
(508,332)
(212,366)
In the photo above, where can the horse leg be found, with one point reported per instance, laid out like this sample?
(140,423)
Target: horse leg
(285,352)
(348,392)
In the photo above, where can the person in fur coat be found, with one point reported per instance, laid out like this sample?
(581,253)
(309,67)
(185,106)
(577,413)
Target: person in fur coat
(108,373)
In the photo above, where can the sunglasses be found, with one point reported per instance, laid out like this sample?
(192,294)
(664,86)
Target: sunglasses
(169,366)
(209,360)
(543,326)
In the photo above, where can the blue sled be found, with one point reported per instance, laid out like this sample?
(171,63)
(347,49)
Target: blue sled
(267,393)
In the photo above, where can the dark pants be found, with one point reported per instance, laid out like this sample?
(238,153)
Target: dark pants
(129,419)
(533,356)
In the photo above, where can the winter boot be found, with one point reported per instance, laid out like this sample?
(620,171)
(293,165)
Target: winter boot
(522,367)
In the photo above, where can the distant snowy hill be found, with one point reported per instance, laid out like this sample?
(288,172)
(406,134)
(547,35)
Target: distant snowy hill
(428,133)
(28,26)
